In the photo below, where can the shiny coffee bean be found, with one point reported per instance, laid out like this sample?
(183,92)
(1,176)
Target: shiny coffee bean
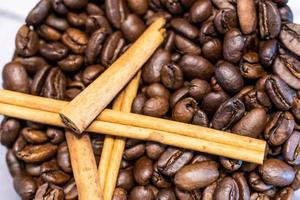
(9,132)
(77,20)
(39,13)
(158,179)
(134,152)
(288,37)
(55,135)
(125,179)
(234,42)
(116,12)
(166,194)
(257,183)
(15,78)
(138,104)
(74,4)
(95,22)
(185,46)
(183,27)
(268,51)
(47,191)
(171,76)
(27,42)
(25,186)
(94,45)
(201,10)
(227,189)
(32,64)
(199,88)
(244,190)
(156,107)
(13,164)
(154,150)
(184,110)
(76,40)
(34,136)
(212,50)
(119,194)
(157,90)
(292,148)
(48,33)
(141,192)
(247,15)
(132,27)
(91,72)
(250,67)
(70,190)
(63,158)
(213,100)
(71,63)
(138,7)
(54,51)
(57,23)
(207,32)
(143,170)
(230,165)
(225,20)
(51,173)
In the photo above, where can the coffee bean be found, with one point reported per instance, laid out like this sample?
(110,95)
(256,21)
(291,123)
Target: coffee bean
(57,23)
(213,100)
(59,7)
(212,50)
(51,173)
(157,90)
(91,73)
(75,40)
(63,158)
(223,3)
(119,194)
(156,107)
(75,4)
(244,190)
(116,12)
(185,46)
(56,135)
(158,179)
(183,27)
(286,14)
(207,32)
(234,42)
(34,136)
(227,189)
(55,84)
(13,164)
(247,15)
(257,183)
(267,52)
(225,20)
(134,152)
(95,22)
(25,186)
(27,42)
(200,118)
(230,165)
(289,35)
(77,20)
(141,192)
(250,67)
(277,172)
(143,169)
(39,12)
(94,45)
(125,179)
(70,190)
(200,10)
(9,132)
(184,110)
(54,51)
(154,150)
(292,148)
(166,194)
(47,191)
(196,176)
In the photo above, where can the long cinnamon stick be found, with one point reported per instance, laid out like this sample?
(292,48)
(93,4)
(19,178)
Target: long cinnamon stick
(131,119)
(50,118)
(119,144)
(84,108)
(107,149)
(84,166)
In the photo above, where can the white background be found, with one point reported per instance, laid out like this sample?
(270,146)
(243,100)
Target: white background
(12,15)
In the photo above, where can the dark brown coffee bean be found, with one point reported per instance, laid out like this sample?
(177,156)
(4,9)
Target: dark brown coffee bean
(196,176)
(71,63)
(51,173)
(112,48)
(286,14)
(55,84)
(288,69)
(36,153)
(228,113)
(223,3)
(225,20)
(54,51)
(39,12)
(141,192)
(183,27)
(59,7)
(285,194)
(48,33)
(199,88)
(200,118)
(172,160)
(244,190)
(207,32)
(119,194)
(292,148)
(250,67)
(154,150)
(9,132)
(70,190)
(296,183)
(125,179)
(25,186)
(75,4)
(212,50)
(15,78)
(34,136)
(91,73)
(138,104)
(230,165)
(143,170)
(172,76)
(196,67)
(257,99)
(247,15)
(257,183)
(279,128)
(277,172)
(184,110)
(234,42)
(57,23)
(229,77)
(213,100)
(269,20)
(227,189)
(75,40)
(134,152)
(252,123)
(77,20)
(63,158)
(95,22)
(157,15)
(13,164)
(116,11)
(201,10)
(47,191)
(157,90)
(132,27)
(138,7)
(166,194)
(178,95)
(33,169)
(156,106)
(94,45)
(56,135)
(32,64)
(267,52)
(186,46)
(152,70)
(173,6)
(19,144)
(158,179)
(289,36)
(279,92)
(208,192)
(27,42)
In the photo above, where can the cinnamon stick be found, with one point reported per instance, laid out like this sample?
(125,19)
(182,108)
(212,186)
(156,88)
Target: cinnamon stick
(84,166)
(119,144)
(51,118)
(84,108)
(131,119)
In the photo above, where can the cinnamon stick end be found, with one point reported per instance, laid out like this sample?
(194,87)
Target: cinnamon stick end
(68,122)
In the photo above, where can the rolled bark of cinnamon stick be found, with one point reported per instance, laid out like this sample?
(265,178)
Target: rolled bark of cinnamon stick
(51,118)
(142,121)
(84,166)
(85,107)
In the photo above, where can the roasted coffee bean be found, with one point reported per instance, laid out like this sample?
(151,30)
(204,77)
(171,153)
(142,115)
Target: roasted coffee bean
(33,169)
(259,196)
(286,14)
(32,64)
(269,20)
(196,176)
(201,10)
(230,165)
(39,12)
(184,110)
(178,95)
(112,48)
(208,192)
(77,20)
(47,191)
(252,123)
(199,88)
(186,46)
(234,42)
(247,15)
(173,6)
(244,190)
(200,118)
(25,186)
(75,4)
(116,11)
(183,27)
(277,172)
(196,67)
(212,50)
(213,100)
(187,195)
(289,37)
(207,32)
(119,194)
(152,70)
(71,63)
(134,152)
(225,20)
(141,192)
(36,153)
(292,148)
(48,33)
(15,77)
(157,90)
(91,73)
(95,22)
(227,189)
(9,132)
(70,190)
(138,7)
(59,7)
(125,179)
(154,16)
(13,164)
(229,77)
(288,69)
(94,45)
(267,52)
(27,42)
(166,194)
(34,136)
(51,173)
(223,3)
(285,194)
(138,104)
(132,27)
(143,170)
(296,183)
(57,23)
(63,158)
(257,183)
(279,128)
(54,51)
(56,135)
(171,76)
(250,67)
(279,92)
(156,106)
(55,84)
(158,179)
(172,160)
(154,150)
(75,40)
(19,144)
(257,99)
(228,113)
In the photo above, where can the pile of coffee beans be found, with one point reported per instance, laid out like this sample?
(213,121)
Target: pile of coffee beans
(231,65)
